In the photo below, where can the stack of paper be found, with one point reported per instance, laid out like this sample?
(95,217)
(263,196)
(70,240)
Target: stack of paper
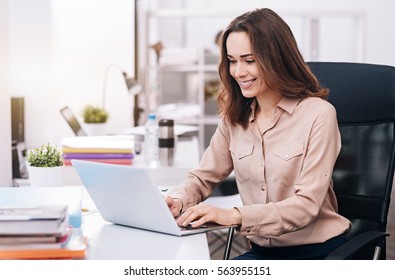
(40,232)
(107,149)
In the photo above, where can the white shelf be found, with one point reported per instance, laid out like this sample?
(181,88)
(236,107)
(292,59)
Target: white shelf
(183,81)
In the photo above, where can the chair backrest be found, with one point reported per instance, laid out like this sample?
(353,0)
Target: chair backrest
(364,97)
(72,121)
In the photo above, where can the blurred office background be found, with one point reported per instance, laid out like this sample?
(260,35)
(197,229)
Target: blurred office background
(59,50)
(57,53)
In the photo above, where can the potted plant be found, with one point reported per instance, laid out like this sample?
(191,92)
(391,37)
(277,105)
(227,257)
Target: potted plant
(45,166)
(95,118)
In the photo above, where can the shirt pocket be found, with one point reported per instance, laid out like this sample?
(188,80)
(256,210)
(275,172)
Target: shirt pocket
(284,163)
(242,156)
(288,150)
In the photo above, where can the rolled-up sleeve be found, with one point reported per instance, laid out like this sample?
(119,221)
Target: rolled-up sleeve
(215,165)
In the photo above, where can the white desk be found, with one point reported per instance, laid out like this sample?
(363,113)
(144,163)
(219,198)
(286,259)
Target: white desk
(113,242)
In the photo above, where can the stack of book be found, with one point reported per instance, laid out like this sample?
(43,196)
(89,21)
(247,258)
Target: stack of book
(106,149)
(39,232)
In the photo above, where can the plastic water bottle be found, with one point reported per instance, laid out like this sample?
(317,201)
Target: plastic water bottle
(151,145)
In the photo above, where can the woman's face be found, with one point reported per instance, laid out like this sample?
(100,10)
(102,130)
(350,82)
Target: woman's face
(243,66)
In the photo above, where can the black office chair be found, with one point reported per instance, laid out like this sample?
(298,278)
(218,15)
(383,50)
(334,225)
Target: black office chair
(364,97)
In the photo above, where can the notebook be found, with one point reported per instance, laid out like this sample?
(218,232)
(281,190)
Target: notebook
(126,195)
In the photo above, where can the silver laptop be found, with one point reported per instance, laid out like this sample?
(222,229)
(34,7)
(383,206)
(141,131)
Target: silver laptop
(127,195)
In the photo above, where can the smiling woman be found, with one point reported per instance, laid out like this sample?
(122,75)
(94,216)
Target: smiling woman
(280,137)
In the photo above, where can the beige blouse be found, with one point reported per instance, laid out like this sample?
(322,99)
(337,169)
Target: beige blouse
(284,176)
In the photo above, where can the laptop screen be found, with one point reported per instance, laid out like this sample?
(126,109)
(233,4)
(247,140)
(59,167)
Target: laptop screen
(72,121)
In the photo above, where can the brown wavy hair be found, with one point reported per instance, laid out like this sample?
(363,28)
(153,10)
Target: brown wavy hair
(276,52)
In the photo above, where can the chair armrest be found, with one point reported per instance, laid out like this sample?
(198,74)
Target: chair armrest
(355,244)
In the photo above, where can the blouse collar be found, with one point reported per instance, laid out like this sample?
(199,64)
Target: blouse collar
(287,104)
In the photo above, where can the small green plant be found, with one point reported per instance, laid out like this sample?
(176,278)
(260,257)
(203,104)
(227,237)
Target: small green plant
(92,114)
(44,156)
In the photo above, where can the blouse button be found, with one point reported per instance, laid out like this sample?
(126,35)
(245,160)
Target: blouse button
(286,156)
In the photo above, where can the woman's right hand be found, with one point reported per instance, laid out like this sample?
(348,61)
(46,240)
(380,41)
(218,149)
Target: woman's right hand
(175,205)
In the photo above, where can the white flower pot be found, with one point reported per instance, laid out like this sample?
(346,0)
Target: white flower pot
(46,176)
(95,129)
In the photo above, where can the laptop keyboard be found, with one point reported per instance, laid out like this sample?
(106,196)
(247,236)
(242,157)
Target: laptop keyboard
(189,227)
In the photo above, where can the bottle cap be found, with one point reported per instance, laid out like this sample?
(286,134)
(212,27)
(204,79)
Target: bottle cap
(152,116)
(166,122)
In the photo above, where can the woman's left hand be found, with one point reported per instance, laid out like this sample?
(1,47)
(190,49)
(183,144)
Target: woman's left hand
(203,213)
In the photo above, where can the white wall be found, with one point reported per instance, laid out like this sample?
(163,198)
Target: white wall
(31,70)
(59,50)
(88,36)
(5,104)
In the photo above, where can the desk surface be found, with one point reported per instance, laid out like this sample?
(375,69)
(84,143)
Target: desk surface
(113,242)
(109,241)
